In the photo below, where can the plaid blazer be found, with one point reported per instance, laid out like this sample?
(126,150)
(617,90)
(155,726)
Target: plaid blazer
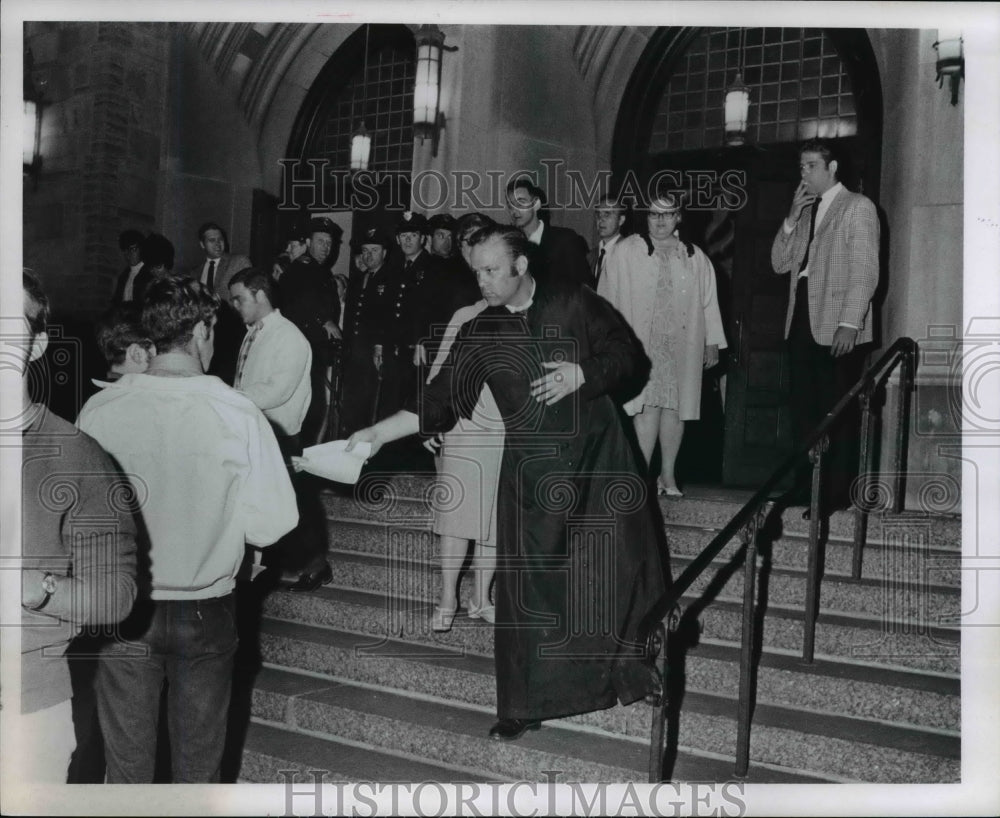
(843,266)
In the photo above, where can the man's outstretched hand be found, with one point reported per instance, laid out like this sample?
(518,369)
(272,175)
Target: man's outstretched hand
(368,435)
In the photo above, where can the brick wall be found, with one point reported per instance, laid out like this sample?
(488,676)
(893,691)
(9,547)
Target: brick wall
(102,128)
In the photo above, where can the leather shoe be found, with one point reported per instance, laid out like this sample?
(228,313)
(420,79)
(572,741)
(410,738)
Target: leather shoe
(311,580)
(510,729)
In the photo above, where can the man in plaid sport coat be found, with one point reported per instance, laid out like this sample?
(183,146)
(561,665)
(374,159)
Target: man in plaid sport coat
(829,246)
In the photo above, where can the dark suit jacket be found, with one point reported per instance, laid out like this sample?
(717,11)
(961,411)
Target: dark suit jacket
(562,254)
(229,328)
(142,280)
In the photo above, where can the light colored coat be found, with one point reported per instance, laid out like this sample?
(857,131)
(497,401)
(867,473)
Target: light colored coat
(471,453)
(843,266)
(629,283)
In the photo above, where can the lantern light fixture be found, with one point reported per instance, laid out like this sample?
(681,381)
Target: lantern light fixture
(32,123)
(950,60)
(361,148)
(428,118)
(737,108)
(361,139)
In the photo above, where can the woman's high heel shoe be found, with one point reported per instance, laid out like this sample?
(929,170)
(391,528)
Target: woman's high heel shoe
(487,613)
(442,619)
(667,491)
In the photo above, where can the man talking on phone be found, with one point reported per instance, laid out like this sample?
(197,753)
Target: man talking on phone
(829,245)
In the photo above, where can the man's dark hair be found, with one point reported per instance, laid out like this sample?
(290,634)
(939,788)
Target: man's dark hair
(128,238)
(156,250)
(611,203)
(255,280)
(820,146)
(173,307)
(470,221)
(213,226)
(118,329)
(524,183)
(513,237)
(34,296)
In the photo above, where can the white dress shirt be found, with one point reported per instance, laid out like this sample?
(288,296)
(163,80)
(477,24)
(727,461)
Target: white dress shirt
(536,236)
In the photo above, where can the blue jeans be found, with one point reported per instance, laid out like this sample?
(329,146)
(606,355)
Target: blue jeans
(190,645)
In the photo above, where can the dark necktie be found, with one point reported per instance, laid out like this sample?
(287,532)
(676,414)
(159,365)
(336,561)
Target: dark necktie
(812,232)
(598,265)
(210,281)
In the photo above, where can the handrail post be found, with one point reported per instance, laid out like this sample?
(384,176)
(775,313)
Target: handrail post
(902,429)
(745,704)
(812,571)
(657,650)
(864,478)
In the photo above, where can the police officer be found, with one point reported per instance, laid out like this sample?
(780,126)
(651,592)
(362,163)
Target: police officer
(459,287)
(308,298)
(368,343)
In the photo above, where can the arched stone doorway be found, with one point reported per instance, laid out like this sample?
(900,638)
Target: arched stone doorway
(368,78)
(804,83)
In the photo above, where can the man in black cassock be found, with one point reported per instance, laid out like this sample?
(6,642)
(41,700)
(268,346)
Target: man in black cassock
(580,561)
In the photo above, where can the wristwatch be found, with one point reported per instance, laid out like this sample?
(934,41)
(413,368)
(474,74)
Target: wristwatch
(49,588)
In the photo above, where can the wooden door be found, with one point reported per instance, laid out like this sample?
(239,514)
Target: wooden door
(758,427)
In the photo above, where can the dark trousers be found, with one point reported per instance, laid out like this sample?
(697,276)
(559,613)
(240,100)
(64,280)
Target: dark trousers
(818,382)
(304,548)
(87,764)
(313,424)
(189,645)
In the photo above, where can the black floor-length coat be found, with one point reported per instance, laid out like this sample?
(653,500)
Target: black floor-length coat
(579,558)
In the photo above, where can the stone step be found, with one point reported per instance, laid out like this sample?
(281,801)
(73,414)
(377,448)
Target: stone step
(412,501)
(860,688)
(912,558)
(869,605)
(929,604)
(274,754)
(926,563)
(866,638)
(426,726)
(843,748)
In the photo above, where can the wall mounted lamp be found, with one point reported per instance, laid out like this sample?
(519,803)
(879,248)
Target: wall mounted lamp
(950,60)
(428,118)
(32,133)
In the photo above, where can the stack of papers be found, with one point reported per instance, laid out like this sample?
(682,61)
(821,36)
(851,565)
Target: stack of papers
(329,460)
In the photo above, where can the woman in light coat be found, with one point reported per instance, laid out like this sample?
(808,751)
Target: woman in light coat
(665,288)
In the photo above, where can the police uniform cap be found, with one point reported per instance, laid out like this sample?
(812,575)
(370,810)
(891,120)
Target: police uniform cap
(411,222)
(374,235)
(324,225)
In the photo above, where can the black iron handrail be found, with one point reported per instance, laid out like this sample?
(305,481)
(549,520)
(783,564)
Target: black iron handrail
(749,520)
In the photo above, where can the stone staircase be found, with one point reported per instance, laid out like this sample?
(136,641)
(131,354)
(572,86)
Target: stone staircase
(353,682)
